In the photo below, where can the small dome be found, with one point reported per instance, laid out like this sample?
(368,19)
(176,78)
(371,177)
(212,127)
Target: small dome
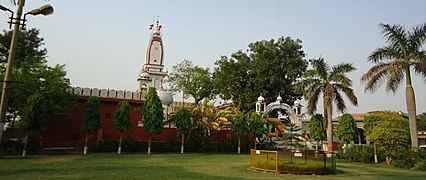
(279,98)
(165,97)
(260,98)
(144,75)
(297,102)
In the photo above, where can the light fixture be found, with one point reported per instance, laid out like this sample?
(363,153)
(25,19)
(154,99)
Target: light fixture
(44,10)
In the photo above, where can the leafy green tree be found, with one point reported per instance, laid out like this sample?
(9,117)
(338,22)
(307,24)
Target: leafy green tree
(292,138)
(32,74)
(267,67)
(257,126)
(394,61)
(29,46)
(182,120)
(153,115)
(328,82)
(241,127)
(191,80)
(92,119)
(421,122)
(347,129)
(370,121)
(391,133)
(316,130)
(122,120)
(34,117)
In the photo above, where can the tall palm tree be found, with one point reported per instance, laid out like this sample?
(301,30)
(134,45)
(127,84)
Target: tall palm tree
(394,62)
(329,82)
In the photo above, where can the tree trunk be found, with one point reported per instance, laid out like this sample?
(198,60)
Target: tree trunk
(388,159)
(329,129)
(149,145)
(182,146)
(85,143)
(239,144)
(316,147)
(119,143)
(24,149)
(411,109)
(254,142)
(325,120)
(376,160)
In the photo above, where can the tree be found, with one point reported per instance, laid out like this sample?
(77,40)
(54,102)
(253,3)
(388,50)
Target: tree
(191,80)
(34,117)
(267,67)
(153,115)
(44,91)
(394,61)
(29,46)
(329,82)
(422,122)
(316,130)
(122,120)
(370,121)
(92,119)
(182,120)
(347,129)
(293,139)
(241,127)
(391,133)
(32,74)
(257,127)
(207,120)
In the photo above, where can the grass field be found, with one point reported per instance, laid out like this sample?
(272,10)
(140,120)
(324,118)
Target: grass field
(173,166)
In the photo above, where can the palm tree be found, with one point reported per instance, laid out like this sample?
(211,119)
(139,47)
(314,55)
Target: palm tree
(394,62)
(330,83)
(210,117)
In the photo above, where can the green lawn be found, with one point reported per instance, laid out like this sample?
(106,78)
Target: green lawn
(173,166)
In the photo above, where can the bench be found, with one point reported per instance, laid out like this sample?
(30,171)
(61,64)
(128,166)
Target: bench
(58,149)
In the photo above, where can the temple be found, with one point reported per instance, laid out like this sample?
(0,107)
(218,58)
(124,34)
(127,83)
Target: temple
(66,130)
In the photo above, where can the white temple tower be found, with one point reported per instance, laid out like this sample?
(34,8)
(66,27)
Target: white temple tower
(152,74)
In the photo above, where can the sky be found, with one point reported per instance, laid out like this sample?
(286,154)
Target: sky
(103,43)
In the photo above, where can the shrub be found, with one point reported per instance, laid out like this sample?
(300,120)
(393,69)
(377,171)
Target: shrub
(9,147)
(405,158)
(306,166)
(421,153)
(269,164)
(421,165)
(130,144)
(107,145)
(358,153)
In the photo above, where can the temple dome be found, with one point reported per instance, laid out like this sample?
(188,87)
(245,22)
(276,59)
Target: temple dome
(144,75)
(279,99)
(165,97)
(260,98)
(297,102)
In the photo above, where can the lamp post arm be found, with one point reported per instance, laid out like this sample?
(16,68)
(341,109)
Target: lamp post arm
(9,68)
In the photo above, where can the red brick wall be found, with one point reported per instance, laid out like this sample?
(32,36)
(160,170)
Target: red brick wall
(67,130)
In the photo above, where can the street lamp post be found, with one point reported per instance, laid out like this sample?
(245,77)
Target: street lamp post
(45,10)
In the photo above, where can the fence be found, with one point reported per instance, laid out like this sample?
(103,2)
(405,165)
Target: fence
(293,162)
